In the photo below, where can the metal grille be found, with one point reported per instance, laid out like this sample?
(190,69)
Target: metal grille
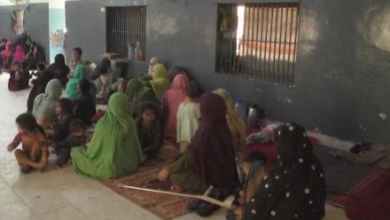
(126,26)
(258,41)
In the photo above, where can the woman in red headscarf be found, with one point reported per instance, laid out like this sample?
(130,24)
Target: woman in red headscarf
(171,102)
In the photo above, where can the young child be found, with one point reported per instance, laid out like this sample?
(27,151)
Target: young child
(64,112)
(76,138)
(254,168)
(149,129)
(34,153)
(18,79)
(85,106)
(188,116)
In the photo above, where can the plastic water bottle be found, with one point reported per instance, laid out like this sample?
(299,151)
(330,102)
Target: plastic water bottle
(130,52)
(253,115)
(241,108)
(138,52)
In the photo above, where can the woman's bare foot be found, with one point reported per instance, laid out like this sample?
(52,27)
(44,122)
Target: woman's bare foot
(163,174)
(175,188)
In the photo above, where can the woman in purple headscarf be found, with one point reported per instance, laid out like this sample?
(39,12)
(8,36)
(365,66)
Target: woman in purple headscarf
(210,159)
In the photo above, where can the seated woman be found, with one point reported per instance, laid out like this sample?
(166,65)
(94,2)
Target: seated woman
(44,109)
(39,85)
(296,184)
(34,153)
(85,106)
(115,150)
(149,129)
(19,55)
(118,75)
(237,125)
(103,86)
(72,90)
(188,116)
(210,158)
(171,102)
(6,55)
(60,69)
(35,56)
(104,66)
(18,79)
(159,83)
(137,96)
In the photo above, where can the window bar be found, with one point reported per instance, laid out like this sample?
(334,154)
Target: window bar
(234,39)
(252,58)
(256,67)
(290,42)
(245,45)
(285,46)
(227,58)
(266,42)
(275,44)
(261,68)
(280,73)
(269,44)
(295,44)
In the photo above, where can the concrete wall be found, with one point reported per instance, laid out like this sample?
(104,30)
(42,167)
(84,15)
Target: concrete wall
(342,79)
(36,21)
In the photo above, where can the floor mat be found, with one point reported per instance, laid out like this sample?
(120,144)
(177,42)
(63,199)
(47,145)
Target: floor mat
(164,206)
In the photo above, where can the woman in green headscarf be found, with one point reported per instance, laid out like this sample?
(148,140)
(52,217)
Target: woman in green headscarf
(114,150)
(160,82)
(71,88)
(137,95)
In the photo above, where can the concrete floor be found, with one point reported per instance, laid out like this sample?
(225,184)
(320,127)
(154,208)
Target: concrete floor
(54,194)
(58,194)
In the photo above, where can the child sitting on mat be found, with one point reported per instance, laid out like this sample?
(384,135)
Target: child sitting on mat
(149,129)
(188,116)
(34,153)
(76,138)
(254,167)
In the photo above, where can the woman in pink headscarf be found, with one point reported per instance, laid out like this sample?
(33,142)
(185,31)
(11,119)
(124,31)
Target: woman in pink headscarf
(171,102)
(19,55)
(6,55)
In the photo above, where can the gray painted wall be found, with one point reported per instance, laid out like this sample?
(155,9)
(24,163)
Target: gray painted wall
(36,23)
(342,80)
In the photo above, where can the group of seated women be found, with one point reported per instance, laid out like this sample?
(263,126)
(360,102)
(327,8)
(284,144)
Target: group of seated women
(27,53)
(206,128)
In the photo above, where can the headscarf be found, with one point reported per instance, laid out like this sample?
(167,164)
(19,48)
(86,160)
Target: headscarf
(71,88)
(153,62)
(45,104)
(114,150)
(160,82)
(211,150)
(171,102)
(8,50)
(19,55)
(137,95)
(253,180)
(295,188)
(60,69)
(236,124)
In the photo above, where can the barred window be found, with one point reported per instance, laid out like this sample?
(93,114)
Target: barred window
(126,26)
(258,41)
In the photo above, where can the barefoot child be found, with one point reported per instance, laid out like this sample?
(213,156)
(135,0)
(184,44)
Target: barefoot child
(76,138)
(149,129)
(188,116)
(64,111)
(34,153)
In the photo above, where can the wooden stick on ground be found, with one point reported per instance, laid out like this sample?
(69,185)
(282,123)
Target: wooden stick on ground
(228,203)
